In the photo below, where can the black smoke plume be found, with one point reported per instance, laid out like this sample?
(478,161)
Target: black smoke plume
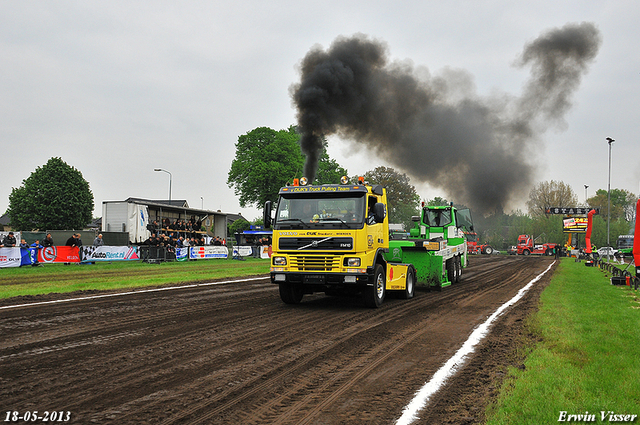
(437,129)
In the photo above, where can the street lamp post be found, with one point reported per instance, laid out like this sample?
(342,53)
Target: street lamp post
(586,186)
(170,179)
(610,141)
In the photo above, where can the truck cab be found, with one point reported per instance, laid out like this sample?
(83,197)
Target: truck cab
(332,239)
(437,245)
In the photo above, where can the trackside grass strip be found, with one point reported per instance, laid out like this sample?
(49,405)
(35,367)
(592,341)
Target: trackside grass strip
(587,358)
(58,278)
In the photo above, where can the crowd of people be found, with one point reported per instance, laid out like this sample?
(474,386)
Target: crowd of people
(179,234)
(186,228)
(174,241)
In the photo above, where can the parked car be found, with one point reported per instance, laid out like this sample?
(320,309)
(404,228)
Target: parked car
(512,250)
(602,252)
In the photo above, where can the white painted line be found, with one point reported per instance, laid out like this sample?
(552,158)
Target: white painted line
(119,294)
(410,412)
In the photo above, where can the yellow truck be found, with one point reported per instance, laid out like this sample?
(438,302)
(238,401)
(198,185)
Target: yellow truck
(334,239)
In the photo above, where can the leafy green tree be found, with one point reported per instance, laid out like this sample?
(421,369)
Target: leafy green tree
(265,161)
(623,203)
(437,202)
(402,198)
(550,194)
(239,225)
(54,197)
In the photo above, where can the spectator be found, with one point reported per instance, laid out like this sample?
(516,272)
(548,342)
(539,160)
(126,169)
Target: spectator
(71,241)
(23,244)
(78,240)
(37,247)
(153,227)
(98,241)
(153,240)
(48,241)
(9,240)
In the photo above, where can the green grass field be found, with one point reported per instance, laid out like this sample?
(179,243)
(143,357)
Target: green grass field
(58,278)
(587,358)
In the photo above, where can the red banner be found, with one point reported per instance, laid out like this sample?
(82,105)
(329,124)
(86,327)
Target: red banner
(59,254)
(636,238)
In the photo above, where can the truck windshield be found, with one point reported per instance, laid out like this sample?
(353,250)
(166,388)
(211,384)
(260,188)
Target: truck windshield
(625,241)
(313,211)
(437,218)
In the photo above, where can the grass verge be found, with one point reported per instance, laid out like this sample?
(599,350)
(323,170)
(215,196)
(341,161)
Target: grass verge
(58,278)
(587,358)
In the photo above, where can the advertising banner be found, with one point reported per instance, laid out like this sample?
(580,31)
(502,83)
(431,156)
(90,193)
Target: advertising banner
(90,254)
(10,257)
(182,254)
(265,252)
(59,254)
(242,251)
(574,224)
(29,256)
(207,252)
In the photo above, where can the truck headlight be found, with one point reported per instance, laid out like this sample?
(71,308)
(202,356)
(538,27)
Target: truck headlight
(352,262)
(279,261)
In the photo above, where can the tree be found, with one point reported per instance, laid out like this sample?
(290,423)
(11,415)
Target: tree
(402,198)
(265,161)
(623,203)
(437,202)
(239,225)
(54,197)
(550,194)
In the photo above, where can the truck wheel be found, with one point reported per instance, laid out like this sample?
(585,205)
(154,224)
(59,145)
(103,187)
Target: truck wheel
(410,286)
(488,250)
(290,294)
(374,295)
(451,270)
(525,252)
(458,262)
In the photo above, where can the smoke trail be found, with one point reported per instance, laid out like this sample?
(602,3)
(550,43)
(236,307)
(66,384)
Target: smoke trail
(438,129)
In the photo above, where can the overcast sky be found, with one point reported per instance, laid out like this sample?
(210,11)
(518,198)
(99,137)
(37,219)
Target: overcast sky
(119,88)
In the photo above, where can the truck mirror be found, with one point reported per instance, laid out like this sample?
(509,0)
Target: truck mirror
(415,218)
(379,212)
(266,215)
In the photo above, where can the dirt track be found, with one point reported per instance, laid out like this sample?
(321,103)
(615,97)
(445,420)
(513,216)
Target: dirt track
(235,354)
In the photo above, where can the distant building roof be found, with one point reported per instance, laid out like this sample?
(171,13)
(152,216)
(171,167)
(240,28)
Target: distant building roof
(179,203)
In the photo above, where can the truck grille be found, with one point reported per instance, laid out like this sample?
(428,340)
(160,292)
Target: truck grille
(317,243)
(314,263)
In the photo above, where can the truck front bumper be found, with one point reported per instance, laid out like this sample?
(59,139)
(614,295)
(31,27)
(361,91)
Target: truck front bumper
(323,279)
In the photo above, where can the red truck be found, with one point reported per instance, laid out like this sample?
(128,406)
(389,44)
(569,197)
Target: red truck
(474,246)
(526,246)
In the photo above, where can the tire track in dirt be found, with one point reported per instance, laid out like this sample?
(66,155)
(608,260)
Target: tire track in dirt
(237,354)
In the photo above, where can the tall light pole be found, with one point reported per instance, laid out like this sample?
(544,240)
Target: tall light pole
(170,178)
(610,141)
(586,186)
